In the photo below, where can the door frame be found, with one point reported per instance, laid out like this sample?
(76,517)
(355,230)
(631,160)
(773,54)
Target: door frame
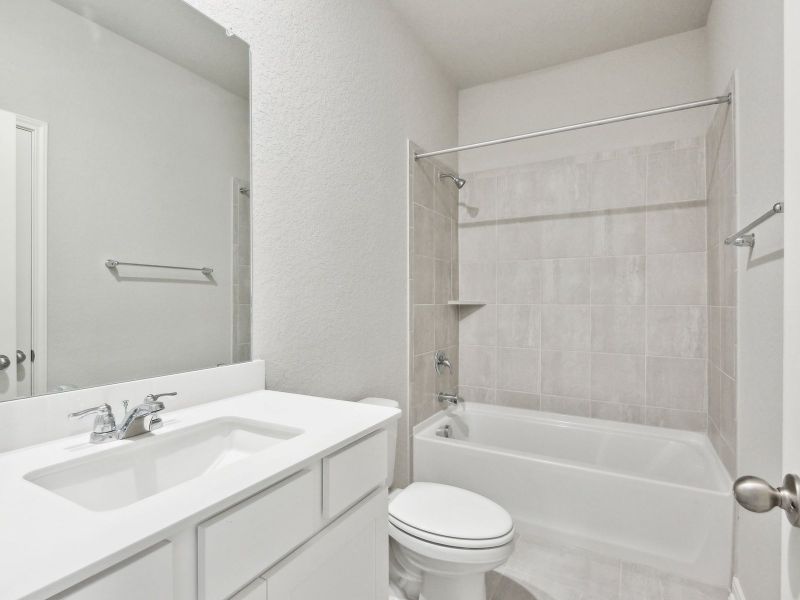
(38,130)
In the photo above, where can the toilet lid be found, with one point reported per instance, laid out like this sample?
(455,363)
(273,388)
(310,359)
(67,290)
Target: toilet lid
(450,515)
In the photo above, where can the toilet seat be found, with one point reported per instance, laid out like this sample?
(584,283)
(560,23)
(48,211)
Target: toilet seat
(449,516)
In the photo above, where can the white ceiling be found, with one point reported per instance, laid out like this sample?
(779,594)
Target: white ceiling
(478,41)
(177,32)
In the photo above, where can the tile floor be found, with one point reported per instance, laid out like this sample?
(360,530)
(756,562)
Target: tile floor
(539,571)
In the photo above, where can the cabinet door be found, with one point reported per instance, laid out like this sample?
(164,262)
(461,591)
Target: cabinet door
(146,575)
(347,561)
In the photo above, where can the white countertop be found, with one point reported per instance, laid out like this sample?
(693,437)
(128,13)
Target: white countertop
(48,543)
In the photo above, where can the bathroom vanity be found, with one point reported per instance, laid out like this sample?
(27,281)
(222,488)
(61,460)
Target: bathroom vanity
(261,495)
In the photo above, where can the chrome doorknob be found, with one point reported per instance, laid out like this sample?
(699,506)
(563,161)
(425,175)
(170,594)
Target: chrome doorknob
(20,356)
(4,362)
(756,495)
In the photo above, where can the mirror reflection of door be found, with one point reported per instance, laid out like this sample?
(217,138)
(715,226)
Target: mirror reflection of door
(21,228)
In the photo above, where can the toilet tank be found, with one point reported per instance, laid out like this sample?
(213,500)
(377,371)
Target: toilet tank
(391,429)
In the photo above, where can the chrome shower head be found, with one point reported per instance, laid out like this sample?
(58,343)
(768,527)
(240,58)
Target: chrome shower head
(460,183)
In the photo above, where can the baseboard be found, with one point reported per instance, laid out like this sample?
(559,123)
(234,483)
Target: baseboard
(736,590)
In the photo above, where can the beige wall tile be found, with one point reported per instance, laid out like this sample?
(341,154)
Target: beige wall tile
(519,240)
(477,326)
(675,419)
(727,424)
(477,394)
(441,237)
(565,281)
(714,335)
(518,369)
(518,399)
(519,282)
(478,366)
(422,276)
(714,394)
(446,326)
(677,331)
(617,183)
(566,237)
(423,173)
(477,242)
(442,281)
(518,325)
(676,278)
(617,233)
(618,329)
(626,413)
(445,194)
(567,406)
(544,188)
(728,341)
(478,281)
(477,200)
(714,275)
(676,383)
(566,374)
(676,228)
(565,327)
(618,378)
(423,231)
(618,280)
(676,176)
(424,329)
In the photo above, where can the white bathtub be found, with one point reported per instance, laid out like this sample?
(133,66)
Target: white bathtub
(648,495)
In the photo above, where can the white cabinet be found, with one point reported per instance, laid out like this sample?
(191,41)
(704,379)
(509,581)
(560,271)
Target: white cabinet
(347,561)
(353,472)
(146,575)
(237,545)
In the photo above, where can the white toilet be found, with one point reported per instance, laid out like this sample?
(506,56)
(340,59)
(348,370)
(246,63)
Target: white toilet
(444,539)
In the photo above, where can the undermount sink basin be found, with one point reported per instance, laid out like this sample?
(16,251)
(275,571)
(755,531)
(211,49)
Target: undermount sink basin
(151,464)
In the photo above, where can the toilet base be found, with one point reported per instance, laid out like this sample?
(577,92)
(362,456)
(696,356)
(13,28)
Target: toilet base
(462,587)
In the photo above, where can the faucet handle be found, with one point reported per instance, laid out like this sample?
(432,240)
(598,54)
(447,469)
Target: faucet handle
(102,410)
(155,397)
(104,423)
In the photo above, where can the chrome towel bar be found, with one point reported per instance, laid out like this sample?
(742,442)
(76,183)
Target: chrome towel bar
(113,264)
(743,238)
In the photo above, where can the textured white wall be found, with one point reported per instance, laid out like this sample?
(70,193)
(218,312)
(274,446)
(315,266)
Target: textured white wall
(670,70)
(141,156)
(337,87)
(746,37)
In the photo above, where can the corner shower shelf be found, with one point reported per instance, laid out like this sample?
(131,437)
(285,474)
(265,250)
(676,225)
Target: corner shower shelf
(466,303)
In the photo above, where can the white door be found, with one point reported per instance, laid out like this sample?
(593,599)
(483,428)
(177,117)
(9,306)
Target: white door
(24,194)
(8,253)
(790,544)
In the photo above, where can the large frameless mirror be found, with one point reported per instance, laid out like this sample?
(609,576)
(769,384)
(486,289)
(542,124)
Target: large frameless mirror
(124,194)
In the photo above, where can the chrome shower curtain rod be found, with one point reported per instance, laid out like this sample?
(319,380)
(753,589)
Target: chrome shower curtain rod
(585,125)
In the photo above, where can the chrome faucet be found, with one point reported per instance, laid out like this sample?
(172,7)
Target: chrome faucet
(450,399)
(104,427)
(133,423)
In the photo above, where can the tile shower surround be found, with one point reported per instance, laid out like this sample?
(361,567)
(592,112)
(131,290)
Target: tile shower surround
(593,271)
(433,247)
(722,300)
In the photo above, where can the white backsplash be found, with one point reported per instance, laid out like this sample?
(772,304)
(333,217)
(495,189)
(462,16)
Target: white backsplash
(43,418)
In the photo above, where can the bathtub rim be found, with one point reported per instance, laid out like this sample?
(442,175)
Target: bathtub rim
(427,431)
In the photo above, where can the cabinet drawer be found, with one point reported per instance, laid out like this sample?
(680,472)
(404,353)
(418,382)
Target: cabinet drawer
(352,473)
(146,575)
(234,547)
